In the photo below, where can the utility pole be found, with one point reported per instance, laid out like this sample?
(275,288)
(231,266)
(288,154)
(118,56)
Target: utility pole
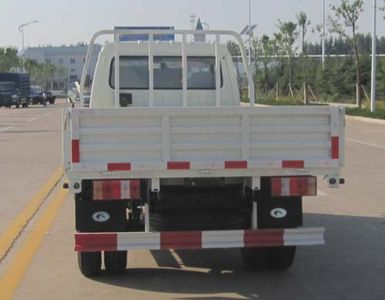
(374,59)
(21,29)
(323,33)
(250,33)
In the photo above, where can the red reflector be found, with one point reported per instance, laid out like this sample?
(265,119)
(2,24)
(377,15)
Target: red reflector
(134,189)
(276,186)
(178,165)
(111,189)
(241,164)
(335,153)
(119,167)
(75,151)
(116,189)
(293,164)
(293,186)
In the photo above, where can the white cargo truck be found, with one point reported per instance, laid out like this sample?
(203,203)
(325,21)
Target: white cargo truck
(165,157)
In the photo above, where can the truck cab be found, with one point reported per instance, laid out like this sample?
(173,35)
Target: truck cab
(167,75)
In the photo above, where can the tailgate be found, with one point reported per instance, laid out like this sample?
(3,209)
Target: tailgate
(162,142)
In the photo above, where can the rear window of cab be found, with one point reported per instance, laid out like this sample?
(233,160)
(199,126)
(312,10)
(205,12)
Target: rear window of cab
(134,73)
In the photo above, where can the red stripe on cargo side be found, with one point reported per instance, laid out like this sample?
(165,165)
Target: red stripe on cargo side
(293,164)
(96,242)
(276,186)
(335,147)
(181,240)
(236,164)
(119,167)
(75,150)
(178,165)
(263,238)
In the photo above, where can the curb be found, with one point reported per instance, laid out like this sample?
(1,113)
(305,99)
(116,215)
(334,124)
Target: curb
(367,120)
(347,117)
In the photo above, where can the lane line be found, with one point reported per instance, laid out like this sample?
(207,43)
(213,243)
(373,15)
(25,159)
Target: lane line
(31,120)
(6,128)
(22,260)
(321,193)
(12,232)
(366,143)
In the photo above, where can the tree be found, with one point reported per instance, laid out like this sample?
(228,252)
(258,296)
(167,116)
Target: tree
(278,53)
(41,73)
(289,35)
(303,23)
(235,52)
(8,59)
(233,48)
(346,17)
(266,50)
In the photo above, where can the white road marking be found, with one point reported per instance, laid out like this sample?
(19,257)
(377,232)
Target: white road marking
(6,128)
(178,260)
(321,193)
(31,120)
(366,143)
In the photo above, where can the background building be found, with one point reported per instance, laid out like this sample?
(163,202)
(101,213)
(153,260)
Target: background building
(68,62)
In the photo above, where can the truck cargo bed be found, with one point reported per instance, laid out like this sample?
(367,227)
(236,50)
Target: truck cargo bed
(162,142)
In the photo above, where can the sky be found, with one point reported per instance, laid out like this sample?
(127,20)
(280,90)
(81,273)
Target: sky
(73,21)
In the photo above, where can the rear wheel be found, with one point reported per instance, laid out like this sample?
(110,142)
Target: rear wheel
(115,262)
(90,263)
(281,258)
(275,258)
(255,259)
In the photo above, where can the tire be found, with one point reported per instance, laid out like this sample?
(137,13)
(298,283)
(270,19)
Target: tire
(90,263)
(17,105)
(115,262)
(255,259)
(52,101)
(281,258)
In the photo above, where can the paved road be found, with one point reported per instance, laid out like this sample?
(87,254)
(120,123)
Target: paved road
(350,266)
(30,151)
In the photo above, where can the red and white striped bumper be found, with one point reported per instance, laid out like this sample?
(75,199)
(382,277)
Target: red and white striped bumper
(116,241)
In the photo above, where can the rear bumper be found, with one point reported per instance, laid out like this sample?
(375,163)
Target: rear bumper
(116,241)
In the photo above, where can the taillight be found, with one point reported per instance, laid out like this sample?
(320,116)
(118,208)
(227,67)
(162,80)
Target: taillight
(116,189)
(293,186)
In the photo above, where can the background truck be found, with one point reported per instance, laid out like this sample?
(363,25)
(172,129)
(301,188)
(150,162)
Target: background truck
(36,95)
(20,90)
(165,157)
(6,90)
